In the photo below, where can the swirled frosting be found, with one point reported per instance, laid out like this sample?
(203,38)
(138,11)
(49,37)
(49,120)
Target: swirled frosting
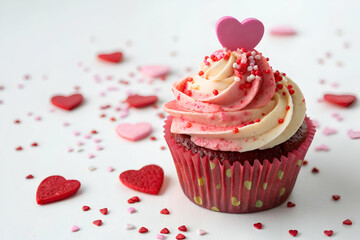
(236,103)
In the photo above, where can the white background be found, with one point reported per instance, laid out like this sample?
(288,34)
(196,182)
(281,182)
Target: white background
(56,43)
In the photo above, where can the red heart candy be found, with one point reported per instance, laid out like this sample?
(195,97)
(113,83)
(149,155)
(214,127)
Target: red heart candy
(340,100)
(139,101)
(180,236)
(56,188)
(143,230)
(104,211)
(233,34)
(165,231)
(290,204)
(165,211)
(148,179)
(347,222)
(114,57)
(329,233)
(182,228)
(258,225)
(85,208)
(336,197)
(293,232)
(67,103)
(97,223)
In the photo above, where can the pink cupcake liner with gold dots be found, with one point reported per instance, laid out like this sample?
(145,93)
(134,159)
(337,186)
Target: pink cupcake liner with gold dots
(237,188)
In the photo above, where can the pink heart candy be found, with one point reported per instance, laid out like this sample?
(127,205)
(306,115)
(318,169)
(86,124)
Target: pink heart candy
(134,132)
(329,131)
(233,34)
(353,134)
(75,228)
(154,71)
(322,147)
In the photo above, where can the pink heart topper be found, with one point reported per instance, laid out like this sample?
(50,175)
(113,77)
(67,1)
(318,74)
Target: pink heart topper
(233,34)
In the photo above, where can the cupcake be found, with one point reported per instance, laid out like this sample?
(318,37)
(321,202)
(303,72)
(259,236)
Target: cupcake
(237,129)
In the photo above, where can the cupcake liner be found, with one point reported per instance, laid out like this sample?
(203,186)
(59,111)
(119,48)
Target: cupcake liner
(237,188)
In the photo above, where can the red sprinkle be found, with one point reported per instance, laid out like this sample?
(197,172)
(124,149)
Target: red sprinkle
(290,204)
(336,197)
(94,132)
(235,130)
(17,121)
(188,92)
(29,176)
(293,232)
(19,148)
(215,92)
(133,199)
(182,228)
(201,73)
(188,125)
(190,79)
(258,225)
(291,91)
(329,233)
(165,211)
(85,208)
(281,120)
(258,120)
(267,71)
(315,170)
(104,211)
(97,223)
(162,147)
(165,231)
(143,230)
(305,162)
(347,222)
(287,107)
(34,144)
(153,138)
(180,236)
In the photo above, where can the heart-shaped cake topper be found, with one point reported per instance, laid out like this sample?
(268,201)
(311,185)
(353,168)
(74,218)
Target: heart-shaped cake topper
(233,34)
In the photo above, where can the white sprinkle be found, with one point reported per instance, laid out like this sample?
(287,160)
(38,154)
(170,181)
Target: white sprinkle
(251,58)
(253,53)
(258,78)
(250,68)
(250,78)
(244,60)
(235,65)
(236,79)
(129,226)
(257,57)
(91,168)
(256,67)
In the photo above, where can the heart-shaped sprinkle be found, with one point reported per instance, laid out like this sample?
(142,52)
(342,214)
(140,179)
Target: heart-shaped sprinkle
(56,188)
(138,101)
(131,210)
(85,208)
(104,211)
(180,236)
(282,31)
(67,103)
(133,199)
(336,197)
(201,232)
(182,228)
(134,132)
(143,230)
(165,211)
(155,71)
(19,148)
(347,222)
(29,176)
(290,204)
(148,179)
(75,228)
(233,34)
(329,233)
(160,237)
(165,231)
(315,170)
(114,57)
(340,100)
(97,223)
(353,134)
(293,232)
(129,227)
(322,147)
(258,225)
(329,131)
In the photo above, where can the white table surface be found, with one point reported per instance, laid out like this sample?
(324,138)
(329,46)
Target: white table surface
(56,42)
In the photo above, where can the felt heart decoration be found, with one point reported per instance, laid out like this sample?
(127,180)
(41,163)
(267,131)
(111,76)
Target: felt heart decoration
(139,101)
(148,179)
(67,103)
(154,71)
(340,100)
(114,57)
(56,188)
(134,132)
(233,34)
